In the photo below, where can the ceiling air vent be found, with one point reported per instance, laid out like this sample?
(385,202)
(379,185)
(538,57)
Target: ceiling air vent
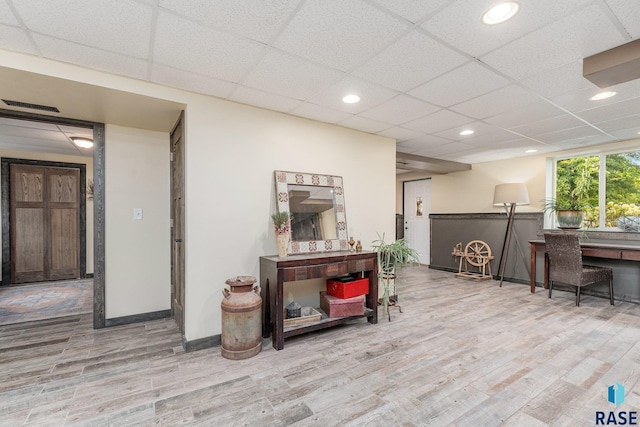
(30,106)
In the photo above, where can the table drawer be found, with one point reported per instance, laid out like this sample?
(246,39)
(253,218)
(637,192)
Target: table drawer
(602,253)
(316,271)
(631,255)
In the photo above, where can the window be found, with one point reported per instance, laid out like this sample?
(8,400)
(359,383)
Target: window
(607,185)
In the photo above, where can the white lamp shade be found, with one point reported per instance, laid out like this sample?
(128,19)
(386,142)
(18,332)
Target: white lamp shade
(511,193)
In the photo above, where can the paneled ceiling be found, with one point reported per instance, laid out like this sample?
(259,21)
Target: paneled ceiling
(424,70)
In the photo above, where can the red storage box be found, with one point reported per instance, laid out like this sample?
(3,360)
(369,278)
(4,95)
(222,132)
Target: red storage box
(347,288)
(341,307)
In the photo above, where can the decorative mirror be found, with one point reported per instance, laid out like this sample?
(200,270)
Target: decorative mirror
(316,206)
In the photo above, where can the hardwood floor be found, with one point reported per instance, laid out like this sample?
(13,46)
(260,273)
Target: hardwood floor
(463,353)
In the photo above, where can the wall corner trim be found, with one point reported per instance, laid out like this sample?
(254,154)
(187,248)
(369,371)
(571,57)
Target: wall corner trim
(137,318)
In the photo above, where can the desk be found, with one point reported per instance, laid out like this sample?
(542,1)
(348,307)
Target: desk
(274,271)
(595,250)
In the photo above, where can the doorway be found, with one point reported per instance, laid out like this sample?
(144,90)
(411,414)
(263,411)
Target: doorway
(177,223)
(417,206)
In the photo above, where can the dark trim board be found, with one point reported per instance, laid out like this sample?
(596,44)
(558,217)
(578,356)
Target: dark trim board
(201,343)
(6,210)
(137,318)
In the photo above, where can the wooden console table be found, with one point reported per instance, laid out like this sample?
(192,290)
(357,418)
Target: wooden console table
(274,271)
(594,250)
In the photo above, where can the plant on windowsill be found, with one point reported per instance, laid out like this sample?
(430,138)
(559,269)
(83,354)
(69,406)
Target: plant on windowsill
(569,213)
(572,196)
(391,257)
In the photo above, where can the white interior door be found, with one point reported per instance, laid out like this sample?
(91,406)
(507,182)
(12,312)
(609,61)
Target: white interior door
(417,206)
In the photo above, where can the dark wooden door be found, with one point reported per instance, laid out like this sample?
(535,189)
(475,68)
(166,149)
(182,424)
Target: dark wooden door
(45,217)
(177,222)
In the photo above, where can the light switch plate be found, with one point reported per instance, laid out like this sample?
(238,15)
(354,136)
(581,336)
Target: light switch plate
(137,213)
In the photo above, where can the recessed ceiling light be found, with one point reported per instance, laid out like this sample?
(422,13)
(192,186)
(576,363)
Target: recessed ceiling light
(603,95)
(531,151)
(82,142)
(500,12)
(466,132)
(351,99)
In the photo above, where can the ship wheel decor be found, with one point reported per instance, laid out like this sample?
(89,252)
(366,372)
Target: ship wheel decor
(475,260)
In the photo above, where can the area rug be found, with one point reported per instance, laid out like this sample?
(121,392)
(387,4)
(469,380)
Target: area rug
(45,300)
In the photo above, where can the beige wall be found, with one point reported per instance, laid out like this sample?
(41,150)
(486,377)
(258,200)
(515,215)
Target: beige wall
(88,161)
(137,252)
(232,151)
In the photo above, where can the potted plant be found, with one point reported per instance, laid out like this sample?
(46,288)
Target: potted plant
(569,212)
(282,229)
(390,257)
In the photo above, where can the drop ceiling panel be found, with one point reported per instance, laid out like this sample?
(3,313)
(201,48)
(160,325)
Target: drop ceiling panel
(400,133)
(535,112)
(565,79)
(290,76)
(15,39)
(461,84)
(630,107)
(621,124)
(425,142)
(413,11)
(123,26)
(10,131)
(6,15)
(338,35)
(364,124)
(452,147)
(628,13)
(438,121)
(6,122)
(90,57)
(568,134)
(554,124)
(399,110)
(422,59)
(371,95)
(247,95)
(568,38)
(460,24)
(323,114)
(202,50)
(478,128)
(198,83)
(496,102)
(256,19)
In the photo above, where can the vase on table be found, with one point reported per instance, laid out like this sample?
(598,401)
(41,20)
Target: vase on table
(283,244)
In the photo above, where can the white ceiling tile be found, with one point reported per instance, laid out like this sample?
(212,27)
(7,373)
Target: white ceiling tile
(190,81)
(496,102)
(626,134)
(256,19)
(438,121)
(583,141)
(6,15)
(90,57)
(624,123)
(369,93)
(12,38)
(461,84)
(187,46)
(411,10)
(478,128)
(364,124)
(568,134)
(247,95)
(323,114)
(629,107)
(461,25)
(452,147)
(554,124)
(122,26)
(8,122)
(489,135)
(400,133)
(422,59)
(75,131)
(10,131)
(581,100)
(557,44)
(531,113)
(339,34)
(558,81)
(399,110)
(289,76)
(424,142)
(404,150)
(628,12)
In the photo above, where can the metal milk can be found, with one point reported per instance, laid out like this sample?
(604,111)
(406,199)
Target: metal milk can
(241,318)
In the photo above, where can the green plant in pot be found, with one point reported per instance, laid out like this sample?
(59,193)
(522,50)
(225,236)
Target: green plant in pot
(573,193)
(390,257)
(569,213)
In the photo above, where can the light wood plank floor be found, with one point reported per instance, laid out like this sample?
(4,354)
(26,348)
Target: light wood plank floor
(463,353)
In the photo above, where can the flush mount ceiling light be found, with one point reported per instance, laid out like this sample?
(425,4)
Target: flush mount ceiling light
(82,142)
(466,132)
(603,95)
(531,151)
(500,13)
(351,99)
